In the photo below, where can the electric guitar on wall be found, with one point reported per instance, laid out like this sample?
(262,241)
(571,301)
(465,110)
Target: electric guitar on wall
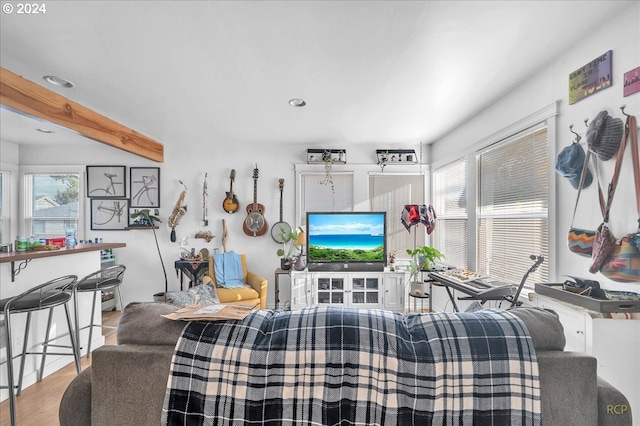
(230,204)
(255,224)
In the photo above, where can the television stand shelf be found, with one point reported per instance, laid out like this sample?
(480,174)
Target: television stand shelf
(358,289)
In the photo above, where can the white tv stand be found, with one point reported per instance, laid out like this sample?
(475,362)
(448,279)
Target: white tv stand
(358,289)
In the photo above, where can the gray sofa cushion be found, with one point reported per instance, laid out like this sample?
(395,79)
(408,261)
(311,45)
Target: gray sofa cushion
(75,405)
(142,323)
(613,407)
(544,327)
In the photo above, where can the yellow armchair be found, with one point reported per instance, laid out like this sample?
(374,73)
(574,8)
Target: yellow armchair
(257,293)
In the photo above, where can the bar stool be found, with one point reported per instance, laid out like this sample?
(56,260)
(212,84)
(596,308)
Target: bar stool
(49,295)
(104,279)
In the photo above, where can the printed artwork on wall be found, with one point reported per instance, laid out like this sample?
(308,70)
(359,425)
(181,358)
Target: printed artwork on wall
(109,214)
(106,181)
(631,82)
(590,78)
(145,186)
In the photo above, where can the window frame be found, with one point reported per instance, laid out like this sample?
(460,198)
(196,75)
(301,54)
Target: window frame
(512,216)
(26,221)
(546,116)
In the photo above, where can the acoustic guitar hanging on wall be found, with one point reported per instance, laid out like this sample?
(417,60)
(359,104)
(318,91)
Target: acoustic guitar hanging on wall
(255,224)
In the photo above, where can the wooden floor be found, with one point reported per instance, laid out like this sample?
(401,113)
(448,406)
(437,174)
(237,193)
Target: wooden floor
(38,404)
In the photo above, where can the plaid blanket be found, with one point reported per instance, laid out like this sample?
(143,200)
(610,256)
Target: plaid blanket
(326,365)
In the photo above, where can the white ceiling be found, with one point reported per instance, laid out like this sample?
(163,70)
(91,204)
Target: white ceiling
(209,72)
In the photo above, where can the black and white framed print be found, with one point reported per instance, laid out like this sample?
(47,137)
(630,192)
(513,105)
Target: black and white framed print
(144,187)
(106,181)
(109,214)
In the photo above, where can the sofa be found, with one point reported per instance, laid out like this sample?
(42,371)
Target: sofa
(126,383)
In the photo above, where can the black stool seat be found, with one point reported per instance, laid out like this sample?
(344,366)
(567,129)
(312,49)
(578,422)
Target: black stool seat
(98,284)
(35,302)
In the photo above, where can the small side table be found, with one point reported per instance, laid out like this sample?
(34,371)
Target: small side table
(415,300)
(278,272)
(195,270)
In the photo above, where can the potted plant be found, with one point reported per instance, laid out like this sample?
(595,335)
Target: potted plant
(295,240)
(145,218)
(424,256)
(421,258)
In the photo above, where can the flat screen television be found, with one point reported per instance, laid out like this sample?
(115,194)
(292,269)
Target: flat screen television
(346,241)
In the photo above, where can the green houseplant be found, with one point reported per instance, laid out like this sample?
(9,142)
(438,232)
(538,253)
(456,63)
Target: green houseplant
(295,240)
(424,256)
(421,258)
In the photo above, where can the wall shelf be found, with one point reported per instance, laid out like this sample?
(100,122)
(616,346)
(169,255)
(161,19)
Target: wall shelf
(396,156)
(319,156)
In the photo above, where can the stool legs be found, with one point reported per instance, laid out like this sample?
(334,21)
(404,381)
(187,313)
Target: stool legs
(92,323)
(25,341)
(46,344)
(10,385)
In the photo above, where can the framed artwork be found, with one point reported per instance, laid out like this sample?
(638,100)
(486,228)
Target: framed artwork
(109,214)
(106,181)
(591,78)
(144,188)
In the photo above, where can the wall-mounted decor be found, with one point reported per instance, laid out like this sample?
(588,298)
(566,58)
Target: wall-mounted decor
(631,82)
(335,156)
(109,214)
(590,78)
(395,156)
(106,181)
(144,186)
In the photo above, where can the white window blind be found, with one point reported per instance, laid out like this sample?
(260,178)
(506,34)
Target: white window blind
(389,193)
(450,204)
(513,193)
(318,195)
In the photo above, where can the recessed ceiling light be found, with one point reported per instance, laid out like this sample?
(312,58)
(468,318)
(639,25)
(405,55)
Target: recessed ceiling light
(57,81)
(44,130)
(297,102)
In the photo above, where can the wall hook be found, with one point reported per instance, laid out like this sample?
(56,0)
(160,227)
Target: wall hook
(622,109)
(577,135)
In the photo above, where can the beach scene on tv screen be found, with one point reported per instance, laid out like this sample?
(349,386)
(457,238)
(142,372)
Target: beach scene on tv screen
(346,237)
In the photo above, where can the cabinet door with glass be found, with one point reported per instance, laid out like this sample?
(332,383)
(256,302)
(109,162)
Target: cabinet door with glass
(331,289)
(365,291)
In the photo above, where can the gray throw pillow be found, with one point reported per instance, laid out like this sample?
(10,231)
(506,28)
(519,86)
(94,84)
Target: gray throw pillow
(203,294)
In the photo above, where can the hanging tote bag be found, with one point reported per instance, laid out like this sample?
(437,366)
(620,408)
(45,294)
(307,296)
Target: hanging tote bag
(623,263)
(580,240)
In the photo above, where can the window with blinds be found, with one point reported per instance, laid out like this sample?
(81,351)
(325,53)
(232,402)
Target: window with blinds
(513,194)
(389,193)
(450,202)
(320,195)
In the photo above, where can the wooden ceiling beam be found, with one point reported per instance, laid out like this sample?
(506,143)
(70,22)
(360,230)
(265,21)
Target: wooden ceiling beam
(28,98)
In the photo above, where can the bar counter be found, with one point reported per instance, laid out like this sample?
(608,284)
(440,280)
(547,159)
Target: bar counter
(26,256)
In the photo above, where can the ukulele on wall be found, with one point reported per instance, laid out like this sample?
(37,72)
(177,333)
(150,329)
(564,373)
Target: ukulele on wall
(255,224)
(230,204)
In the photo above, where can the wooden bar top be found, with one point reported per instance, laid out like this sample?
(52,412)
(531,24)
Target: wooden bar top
(17,256)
